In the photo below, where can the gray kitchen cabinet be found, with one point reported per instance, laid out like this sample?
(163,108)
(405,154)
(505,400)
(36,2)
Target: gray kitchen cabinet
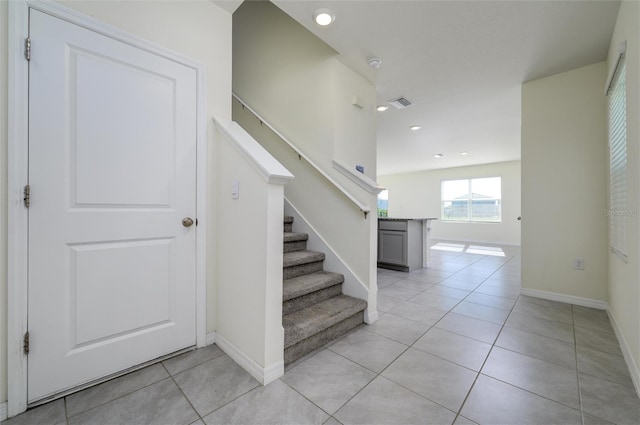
(400,244)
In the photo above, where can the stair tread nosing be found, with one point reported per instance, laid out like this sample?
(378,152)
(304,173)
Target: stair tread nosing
(297,258)
(303,285)
(309,321)
(295,237)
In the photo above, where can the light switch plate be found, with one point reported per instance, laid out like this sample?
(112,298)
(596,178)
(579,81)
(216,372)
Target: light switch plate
(235,189)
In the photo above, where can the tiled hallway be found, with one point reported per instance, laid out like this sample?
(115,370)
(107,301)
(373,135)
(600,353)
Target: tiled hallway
(455,343)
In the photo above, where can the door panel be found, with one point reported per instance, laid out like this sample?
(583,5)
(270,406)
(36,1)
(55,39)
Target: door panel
(112,155)
(102,272)
(100,138)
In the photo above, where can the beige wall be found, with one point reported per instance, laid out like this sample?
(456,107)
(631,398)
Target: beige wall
(564,178)
(624,277)
(293,80)
(284,73)
(196,29)
(418,195)
(354,134)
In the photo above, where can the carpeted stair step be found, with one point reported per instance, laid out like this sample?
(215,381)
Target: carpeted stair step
(303,291)
(288,224)
(312,327)
(295,241)
(299,263)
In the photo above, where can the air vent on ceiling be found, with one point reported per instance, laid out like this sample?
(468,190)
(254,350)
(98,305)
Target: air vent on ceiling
(400,102)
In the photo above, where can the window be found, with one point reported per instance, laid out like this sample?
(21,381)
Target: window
(477,200)
(617,92)
(383,203)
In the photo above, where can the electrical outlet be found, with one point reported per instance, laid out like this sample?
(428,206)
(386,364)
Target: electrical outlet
(578,264)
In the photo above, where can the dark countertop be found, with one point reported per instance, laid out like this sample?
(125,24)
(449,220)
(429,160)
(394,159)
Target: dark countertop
(405,219)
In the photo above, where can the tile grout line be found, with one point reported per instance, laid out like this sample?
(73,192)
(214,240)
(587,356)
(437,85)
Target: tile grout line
(459,412)
(67,417)
(379,374)
(117,398)
(328,347)
(575,344)
(580,408)
(431,327)
(311,401)
(182,392)
(484,362)
(524,389)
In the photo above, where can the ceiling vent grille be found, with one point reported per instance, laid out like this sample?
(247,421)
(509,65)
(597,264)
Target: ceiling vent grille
(400,102)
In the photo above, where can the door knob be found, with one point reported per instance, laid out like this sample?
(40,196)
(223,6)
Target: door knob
(187,222)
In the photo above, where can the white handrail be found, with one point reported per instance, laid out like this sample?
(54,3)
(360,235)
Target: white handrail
(362,207)
(360,179)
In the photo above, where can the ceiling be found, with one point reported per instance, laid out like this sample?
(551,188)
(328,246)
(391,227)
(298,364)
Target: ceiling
(461,63)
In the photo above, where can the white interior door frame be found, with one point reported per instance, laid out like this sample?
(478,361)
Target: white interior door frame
(18,174)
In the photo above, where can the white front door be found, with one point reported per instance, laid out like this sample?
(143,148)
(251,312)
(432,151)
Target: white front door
(112,172)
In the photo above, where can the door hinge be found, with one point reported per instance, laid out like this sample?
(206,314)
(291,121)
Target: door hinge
(27,48)
(27,196)
(25,344)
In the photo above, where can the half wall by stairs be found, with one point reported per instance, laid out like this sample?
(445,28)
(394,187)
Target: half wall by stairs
(314,310)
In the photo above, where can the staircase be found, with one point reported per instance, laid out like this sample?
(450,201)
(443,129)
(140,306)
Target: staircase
(314,310)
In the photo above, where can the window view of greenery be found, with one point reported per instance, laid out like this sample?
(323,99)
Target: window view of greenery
(383,204)
(472,200)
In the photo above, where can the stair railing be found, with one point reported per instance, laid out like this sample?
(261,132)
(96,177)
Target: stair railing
(365,209)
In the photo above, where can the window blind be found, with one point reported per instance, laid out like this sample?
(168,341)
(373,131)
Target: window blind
(618,212)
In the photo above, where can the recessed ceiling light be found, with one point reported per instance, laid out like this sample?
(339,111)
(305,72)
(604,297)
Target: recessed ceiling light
(382,108)
(374,63)
(464,153)
(438,155)
(415,127)
(323,17)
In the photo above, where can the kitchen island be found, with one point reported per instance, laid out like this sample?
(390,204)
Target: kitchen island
(403,243)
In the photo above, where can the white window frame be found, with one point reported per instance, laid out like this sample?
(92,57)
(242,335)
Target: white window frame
(469,200)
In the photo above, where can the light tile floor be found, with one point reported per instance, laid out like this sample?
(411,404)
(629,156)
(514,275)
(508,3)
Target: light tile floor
(455,344)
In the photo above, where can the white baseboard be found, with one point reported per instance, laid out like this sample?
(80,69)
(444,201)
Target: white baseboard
(570,299)
(211,338)
(273,372)
(264,375)
(3,411)
(370,316)
(634,371)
